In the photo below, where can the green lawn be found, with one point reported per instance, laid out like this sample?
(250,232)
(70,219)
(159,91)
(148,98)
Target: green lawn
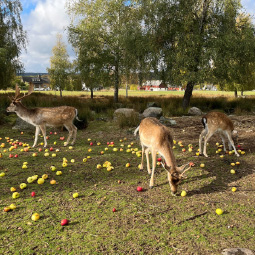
(148,222)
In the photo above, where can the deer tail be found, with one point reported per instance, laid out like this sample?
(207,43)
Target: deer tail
(204,121)
(76,115)
(137,129)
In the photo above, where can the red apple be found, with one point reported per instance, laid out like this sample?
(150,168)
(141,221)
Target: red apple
(10,156)
(64,222)
(20,143)
(114,209)
(51,149)
(191,164)
(47,137)
(159,159)
(139,189)
(40,149)
(16,155)
(91,144)
(108,143)
(33,194)
(50,133)
(111,143)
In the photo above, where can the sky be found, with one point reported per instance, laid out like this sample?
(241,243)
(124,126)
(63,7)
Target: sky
(43,19)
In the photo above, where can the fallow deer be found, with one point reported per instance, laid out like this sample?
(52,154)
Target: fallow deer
(217,122)
(42,117)
(155,137)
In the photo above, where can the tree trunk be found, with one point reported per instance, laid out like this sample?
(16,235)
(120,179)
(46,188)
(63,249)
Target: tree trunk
(187,95)
(116,86)
(235,93)
(60,90)
(91,93)
(126,89)
(241,92)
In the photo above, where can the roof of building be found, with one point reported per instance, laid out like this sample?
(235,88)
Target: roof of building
(35,80)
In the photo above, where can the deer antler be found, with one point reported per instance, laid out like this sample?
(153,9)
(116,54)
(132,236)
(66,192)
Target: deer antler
(30,90)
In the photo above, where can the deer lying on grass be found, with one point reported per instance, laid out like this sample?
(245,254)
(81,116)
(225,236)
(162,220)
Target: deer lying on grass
(42,117)
(217,122)
(155,137)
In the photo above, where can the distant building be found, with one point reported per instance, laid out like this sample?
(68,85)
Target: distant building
(157,85)
(40,83)
(153,85)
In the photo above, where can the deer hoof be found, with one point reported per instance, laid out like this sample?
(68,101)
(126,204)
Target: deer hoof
(151,187)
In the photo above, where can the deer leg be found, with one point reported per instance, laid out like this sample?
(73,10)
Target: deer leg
(141,165)
(207,137)
(154,155)
(43,129)
(223,141)
(74,134)
(148,160)
(37,130)
(70,130)
(203,133)
(232,143)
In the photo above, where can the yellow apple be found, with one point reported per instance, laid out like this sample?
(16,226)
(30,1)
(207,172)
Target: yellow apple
(85,160)
(15,195)
(35,217)
(12,206)
(234,189)
(232,171)
(202,165)
(219,211)
(23,185)
(183,193)
(53,182)
(58,172)
(75,195)
(2,174)
(45,176)
(40,181)
(13,189)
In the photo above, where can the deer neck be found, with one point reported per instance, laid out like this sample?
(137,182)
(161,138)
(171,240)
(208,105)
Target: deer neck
(24,113)
(169,158)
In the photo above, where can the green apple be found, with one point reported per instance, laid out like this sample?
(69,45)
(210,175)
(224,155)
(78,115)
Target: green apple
(15,195)
(30,179)
(2,174)
(53,168)
(23,185)
(35,217)
(40,181)
(12,206)
(58,172)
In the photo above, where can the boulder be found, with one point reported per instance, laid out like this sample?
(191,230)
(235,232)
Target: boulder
(155,112)
(237,251)
(195,111)
(124,111)
(167,121)
(22,125)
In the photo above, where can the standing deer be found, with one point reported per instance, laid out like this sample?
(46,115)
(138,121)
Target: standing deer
(217,122)
(155,137)
(42,117)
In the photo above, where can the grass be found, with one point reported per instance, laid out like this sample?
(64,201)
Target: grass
(148,222)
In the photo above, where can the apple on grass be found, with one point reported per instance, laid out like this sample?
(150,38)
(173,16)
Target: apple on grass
(23,185)
(2,174)
(35,216)
(75,195)
(219,211)
(114,209)
(32,194)
(15,195)
(139,189)
(53,182)
(183,193)
(40,181)
(64,222)
(7,209)
(13,189)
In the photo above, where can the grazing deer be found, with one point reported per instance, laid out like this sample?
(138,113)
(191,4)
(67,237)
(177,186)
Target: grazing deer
(217,122)
(42,117)
(155,137)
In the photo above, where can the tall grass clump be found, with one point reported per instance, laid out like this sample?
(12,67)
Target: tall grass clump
(127,121)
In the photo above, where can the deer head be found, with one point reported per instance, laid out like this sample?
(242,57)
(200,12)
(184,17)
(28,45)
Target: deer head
(17,98)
